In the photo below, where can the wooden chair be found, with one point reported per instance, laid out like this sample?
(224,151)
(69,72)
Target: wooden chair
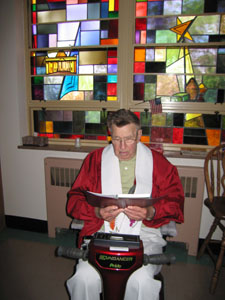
(214,169)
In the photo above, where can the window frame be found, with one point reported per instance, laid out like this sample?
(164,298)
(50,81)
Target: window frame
(125,50)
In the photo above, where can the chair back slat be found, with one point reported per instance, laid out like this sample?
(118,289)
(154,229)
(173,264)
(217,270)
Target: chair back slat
(214,169)
(223,177)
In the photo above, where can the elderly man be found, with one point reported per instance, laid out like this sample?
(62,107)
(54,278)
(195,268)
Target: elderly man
(123,165)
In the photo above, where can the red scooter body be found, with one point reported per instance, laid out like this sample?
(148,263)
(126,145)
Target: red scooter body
(116,257)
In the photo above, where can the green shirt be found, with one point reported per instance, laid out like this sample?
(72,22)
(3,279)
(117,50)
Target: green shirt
(127,173)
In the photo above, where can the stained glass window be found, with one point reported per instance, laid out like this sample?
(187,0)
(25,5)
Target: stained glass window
(89,57)
(172,62)
(71,124)
(173,128)
(59,73)
(75,75)
(73,23)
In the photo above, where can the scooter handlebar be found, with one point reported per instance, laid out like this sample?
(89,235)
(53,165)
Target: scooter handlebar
(155,259)
(159,259)
(74,253)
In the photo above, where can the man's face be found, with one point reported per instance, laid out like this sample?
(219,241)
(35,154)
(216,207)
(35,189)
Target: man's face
(124,140)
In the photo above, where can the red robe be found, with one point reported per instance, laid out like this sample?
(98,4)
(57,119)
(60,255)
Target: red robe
(166,181)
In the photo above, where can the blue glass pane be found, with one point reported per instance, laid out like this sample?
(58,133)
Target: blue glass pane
(104,10)
(139,78)
(90,25)
(155,8)
(78,39)
(70,84)
(51,92)
(57,5)
(104,34)
(41,70)
(76,12)
(112,78)
(94,11)
(90,38)
(42,40)
(112,68)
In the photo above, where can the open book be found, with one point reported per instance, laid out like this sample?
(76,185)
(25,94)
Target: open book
(120,200)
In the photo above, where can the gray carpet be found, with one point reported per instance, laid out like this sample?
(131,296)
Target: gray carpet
(29,270)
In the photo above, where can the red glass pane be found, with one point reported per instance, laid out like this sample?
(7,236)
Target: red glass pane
(101,138)
(34,41)
(34,17)
(161,135)
(112,53)
(223,136)
(138,114)
(141,9)
(113,29)
(112,61)
(116,5)
(112,89)
(178,134)
(139,67)
(140,24)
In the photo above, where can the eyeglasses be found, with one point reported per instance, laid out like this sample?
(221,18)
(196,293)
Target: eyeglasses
(127,140)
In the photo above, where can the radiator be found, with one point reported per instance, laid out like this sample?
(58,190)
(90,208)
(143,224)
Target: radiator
(60,174)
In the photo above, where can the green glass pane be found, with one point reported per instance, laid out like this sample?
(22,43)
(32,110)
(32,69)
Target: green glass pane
(223,122)
(210,96)
(165,36)
(214,81)
(172,56)
(79,122)
(145,118)
(85,83)
(150,91)
(41,7)
(113,14)
(47,29)
(34,7)
(193,7)
(169,119)
(96,129)
(159,119)
(37,80)
(92,117)
(205,25)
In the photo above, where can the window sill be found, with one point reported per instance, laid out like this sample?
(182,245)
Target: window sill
(88,149)
(66,148)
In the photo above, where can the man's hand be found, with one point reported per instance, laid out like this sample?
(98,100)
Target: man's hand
(138,213)
(108,213)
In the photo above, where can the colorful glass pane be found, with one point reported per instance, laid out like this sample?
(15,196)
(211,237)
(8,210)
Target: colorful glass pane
(72,75)
(190,74)
(173,29)
(72,23)
(161,128)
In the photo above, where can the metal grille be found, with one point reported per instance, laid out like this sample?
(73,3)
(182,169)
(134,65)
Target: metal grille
(64,177)
(190,186)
